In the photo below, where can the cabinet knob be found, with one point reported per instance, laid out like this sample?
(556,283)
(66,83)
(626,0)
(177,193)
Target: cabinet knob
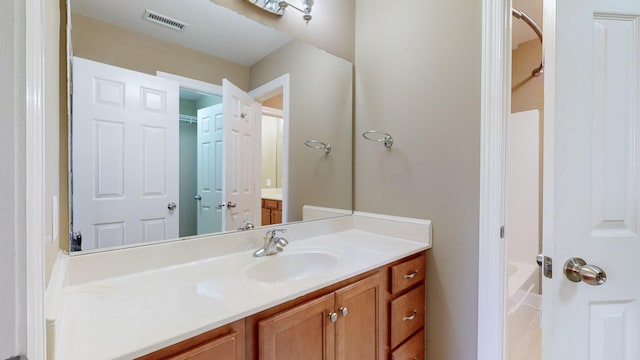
(344,311)
(333,317)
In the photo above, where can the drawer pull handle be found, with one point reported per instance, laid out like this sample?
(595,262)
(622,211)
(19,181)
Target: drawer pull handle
(410,276)
(411,317)
(415,358)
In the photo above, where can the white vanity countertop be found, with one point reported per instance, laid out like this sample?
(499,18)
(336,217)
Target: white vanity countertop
(272,194)
(127,316)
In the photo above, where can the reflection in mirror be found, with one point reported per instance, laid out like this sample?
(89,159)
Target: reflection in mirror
(163,148)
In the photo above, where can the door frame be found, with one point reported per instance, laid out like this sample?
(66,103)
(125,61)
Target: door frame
(495,98)
(261,93)
(496,107)
(195,85)
(34,93)
(192,84)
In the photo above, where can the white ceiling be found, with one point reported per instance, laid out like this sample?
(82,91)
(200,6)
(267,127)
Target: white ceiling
(211,29)
(521,31)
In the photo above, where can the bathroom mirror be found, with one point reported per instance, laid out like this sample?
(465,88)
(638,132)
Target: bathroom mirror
(158,156)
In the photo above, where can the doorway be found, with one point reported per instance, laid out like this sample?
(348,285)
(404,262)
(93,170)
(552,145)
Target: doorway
(195,107)
(524,164)
(272,160)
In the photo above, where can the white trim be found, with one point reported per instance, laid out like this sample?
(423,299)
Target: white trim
(549,49)
(496,100)
(192,84)
(35,232)
(261,93)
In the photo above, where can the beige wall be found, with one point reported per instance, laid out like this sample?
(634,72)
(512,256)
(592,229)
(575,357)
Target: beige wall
(123,48)
(55,185)
(13,335)
(274,102)
(320,108)
(417,77)
(526,90)
(271,138)
(331,29)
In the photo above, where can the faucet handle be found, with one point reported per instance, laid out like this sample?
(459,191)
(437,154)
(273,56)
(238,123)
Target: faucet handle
(272,233)
(281,241)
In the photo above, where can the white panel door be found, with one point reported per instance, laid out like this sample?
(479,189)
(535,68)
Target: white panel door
(242,147)
(125,155)
(210,133)
(592,179)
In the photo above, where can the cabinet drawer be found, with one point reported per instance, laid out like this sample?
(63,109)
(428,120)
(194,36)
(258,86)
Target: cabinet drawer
(270,204)
(407,315)
(224,343)
(221,348)
(407,274)
(412,349)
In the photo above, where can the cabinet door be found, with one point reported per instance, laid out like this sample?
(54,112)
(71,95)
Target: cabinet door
(276,216)
(302,332)
(266,216)
(358,327)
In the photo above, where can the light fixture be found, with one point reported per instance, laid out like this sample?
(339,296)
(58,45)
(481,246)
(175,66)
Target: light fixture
(279,6)
(306,8)
(271,6)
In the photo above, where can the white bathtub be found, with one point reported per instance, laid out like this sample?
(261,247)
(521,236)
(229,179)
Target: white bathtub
(523,312)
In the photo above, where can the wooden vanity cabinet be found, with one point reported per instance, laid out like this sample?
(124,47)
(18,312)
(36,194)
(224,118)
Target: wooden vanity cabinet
(341,325)
(378,315)
(271,211)
(406,308)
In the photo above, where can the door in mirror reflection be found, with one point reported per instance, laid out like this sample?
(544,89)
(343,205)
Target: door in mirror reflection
(156,171)
(209,166)
(125,137)
(241,186)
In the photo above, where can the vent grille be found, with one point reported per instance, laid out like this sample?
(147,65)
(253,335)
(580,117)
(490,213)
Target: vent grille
(164,20)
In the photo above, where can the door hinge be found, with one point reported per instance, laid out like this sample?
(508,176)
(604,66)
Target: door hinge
(75,241)
(547,265)
(502,232)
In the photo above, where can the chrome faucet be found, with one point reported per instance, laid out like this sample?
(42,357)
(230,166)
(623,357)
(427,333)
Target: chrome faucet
(246,225)
(272,243)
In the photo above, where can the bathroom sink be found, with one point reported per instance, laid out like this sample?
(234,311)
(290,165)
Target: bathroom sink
(283,267)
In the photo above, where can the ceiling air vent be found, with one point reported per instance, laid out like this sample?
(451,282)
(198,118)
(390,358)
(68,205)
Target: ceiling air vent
(164,20)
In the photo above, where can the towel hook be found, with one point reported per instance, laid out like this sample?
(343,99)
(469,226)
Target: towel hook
(373,135)
(317,144)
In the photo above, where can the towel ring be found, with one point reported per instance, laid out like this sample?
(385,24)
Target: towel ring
(379,136)
(317,144)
